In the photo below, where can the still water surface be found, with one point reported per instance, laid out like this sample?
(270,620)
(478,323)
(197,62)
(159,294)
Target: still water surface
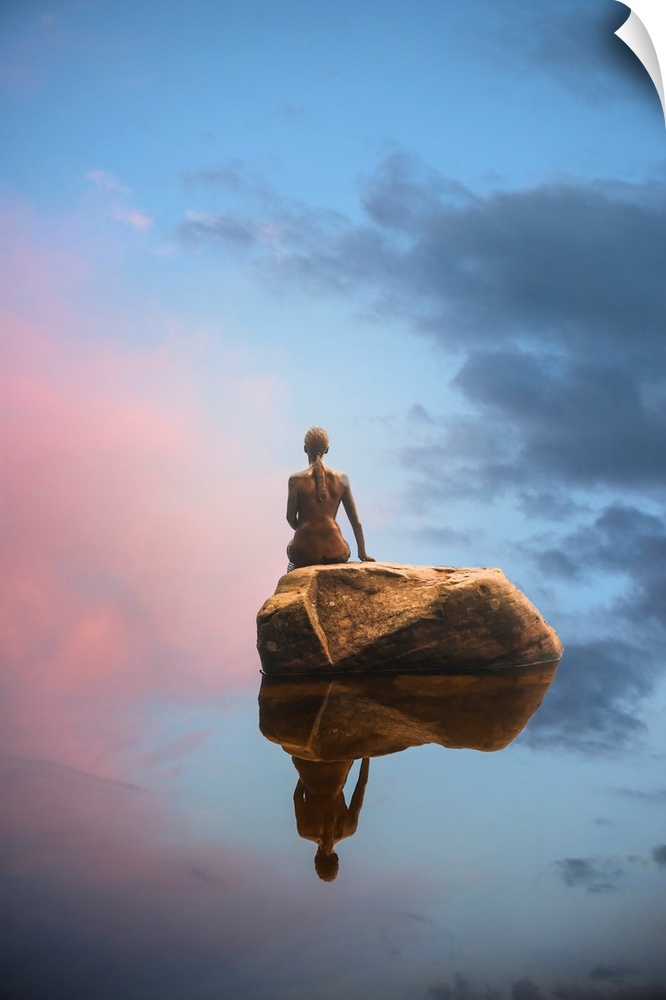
(459,872)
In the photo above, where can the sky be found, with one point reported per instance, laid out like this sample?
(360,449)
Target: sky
(437,230)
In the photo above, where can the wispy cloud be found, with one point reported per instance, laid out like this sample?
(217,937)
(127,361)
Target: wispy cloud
(603,874)
(178,748)
(107,181)
(134,218)
(594,875)
(655,796)
(572,43)
(612,973)
(120,211)
(659,855)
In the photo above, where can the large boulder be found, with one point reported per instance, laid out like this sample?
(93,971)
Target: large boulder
(359,715)
(370,617)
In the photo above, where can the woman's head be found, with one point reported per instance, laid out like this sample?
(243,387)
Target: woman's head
(316,442)
(326,865)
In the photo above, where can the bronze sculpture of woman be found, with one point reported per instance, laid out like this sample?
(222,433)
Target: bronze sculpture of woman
(312,504)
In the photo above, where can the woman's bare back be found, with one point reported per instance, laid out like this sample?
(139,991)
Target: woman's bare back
(317,537)
(315,494)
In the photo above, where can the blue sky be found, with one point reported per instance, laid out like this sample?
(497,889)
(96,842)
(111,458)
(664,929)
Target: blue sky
(437,230)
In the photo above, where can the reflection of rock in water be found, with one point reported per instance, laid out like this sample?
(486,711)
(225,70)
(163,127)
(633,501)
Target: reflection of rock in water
(382,616)
(348,717)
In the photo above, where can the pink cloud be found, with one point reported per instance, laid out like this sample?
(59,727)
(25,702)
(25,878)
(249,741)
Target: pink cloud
(107,181)
(134,218)
(140,532)
(120,211)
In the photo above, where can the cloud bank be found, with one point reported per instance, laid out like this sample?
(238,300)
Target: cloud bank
(548,304)
(135,536)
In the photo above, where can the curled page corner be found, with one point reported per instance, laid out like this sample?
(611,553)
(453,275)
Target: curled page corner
(644,32)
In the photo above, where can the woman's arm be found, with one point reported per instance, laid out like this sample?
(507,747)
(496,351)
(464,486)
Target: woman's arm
(292,503)
(359,791)
(350,510)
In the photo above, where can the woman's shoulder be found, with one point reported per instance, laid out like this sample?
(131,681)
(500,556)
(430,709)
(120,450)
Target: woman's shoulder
(341,477)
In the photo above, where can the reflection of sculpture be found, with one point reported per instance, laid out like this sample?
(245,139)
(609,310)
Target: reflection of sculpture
(322,814)
(312,504)
(325,723)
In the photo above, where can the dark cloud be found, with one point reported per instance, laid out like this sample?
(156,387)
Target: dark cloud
(232,175)
(599,690)
(593,702)
(603,874)
(548,264)
(554,294)
(567,991)
(549,505)
(592,874)
(416,917)
(612,973)
(463,988)
(404,194)
(622,540)
(549,303)
(223,229)
(609,984)
(562,333)
(570,42)
(574,43)
(621,537)
(419,415)
(525,989)
(580,421)
(550,261)
(656,796)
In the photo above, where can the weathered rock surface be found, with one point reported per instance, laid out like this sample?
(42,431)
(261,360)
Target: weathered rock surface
(352,716)
(367,617)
